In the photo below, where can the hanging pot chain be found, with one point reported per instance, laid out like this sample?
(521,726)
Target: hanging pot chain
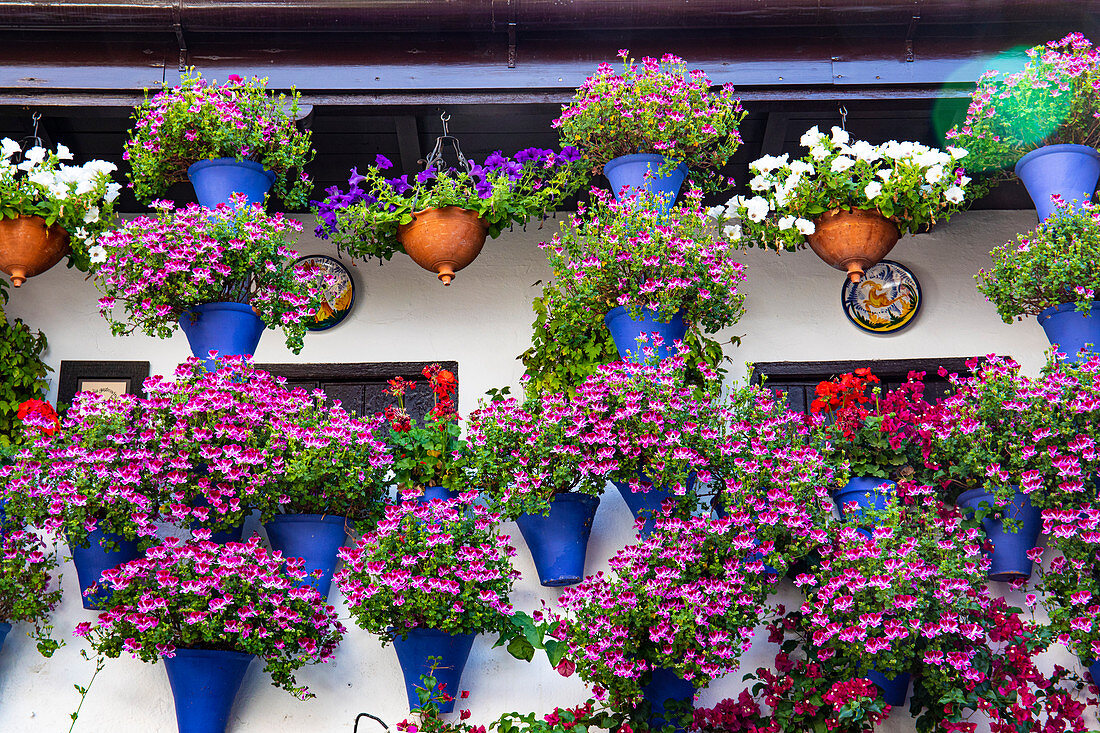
(435,158)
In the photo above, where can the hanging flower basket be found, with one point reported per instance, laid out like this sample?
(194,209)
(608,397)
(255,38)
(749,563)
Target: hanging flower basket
(443,240)
(852,240)
(29,247)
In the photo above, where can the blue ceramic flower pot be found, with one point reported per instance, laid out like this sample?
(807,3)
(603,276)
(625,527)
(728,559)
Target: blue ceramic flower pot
(314,538)
(1094,671)
(627,174)
(234,533)
(559,540)
(414,654)
(1008,560)
(216,181)
(1071,330)
(231,329)
(668,694)
(1071,171)
(5,629)
(894,691)
(92,560)
(435,492)
(869,492)
(625,332)
(644,505)
(204,684)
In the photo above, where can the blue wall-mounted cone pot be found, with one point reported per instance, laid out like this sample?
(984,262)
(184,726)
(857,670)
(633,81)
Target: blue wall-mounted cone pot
(664,690)
(414,652)
(92,560)
(204,684)
(231,329)
(625,332)
(866,491)
(1071,171)
(646,504)
(630,171)
(1071,329)
(234,533)
(314,538)
(216,181)
(894,691)
(5,629)
(1094,670)
(559,540)
(1009,559)
(435,492)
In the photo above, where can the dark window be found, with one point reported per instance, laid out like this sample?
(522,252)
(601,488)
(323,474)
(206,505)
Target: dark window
(361,388)
(799,379)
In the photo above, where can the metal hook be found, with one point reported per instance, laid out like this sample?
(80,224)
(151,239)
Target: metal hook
(843,117)
(445,118)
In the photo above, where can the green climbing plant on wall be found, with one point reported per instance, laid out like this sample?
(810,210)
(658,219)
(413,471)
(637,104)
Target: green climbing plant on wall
(22,372)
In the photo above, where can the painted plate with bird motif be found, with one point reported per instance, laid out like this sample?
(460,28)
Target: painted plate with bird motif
(886,299)
(339,293)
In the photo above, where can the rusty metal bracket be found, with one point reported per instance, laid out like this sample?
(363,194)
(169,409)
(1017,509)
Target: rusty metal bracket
(912,32)
(177,27)
(511,44)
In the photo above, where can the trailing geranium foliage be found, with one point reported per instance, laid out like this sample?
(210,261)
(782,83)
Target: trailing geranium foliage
(768,463)
(199,120)
(1058,262)
(22,375)
(238,440)
(684,599)
(502,190)
(79,199)
(1071,586)
(874,434)
(523,455)
(159,267)
(29,588)
(430,454)
(438,565)
(102,470)
(203,595)
(912,185)
(657,106)
(1054,99)
(654,263)
(1001,429)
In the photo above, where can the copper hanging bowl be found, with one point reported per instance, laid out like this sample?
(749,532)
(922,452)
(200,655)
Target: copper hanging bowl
(853,240)
(28,247)
(443,240)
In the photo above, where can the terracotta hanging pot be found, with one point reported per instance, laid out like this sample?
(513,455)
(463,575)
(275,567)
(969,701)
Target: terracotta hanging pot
(443,240)
(852,240)
(28,247)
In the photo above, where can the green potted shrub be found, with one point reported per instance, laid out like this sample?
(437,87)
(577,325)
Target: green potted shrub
(22,375)
(1052,273)
(652,124)
(29,589)
(1018,119)
(50,210)
(847,199)
(235,137)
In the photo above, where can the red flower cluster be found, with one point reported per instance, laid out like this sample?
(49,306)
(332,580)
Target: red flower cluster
(41,414)
(836,395)
(443,384)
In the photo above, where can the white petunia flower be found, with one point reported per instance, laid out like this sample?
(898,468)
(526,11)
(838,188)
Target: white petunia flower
(873,189)
(97,254)
(113,190)
(768,163)
(92,216)
(8,148)
(934,174)
(885,174)
(714,212)
(63,153)
(954,195)
(957,153)
(786,222)
(864,151)
(811,138)
(760,183)
(81,234)
(801,167)
(757,208)
(805,226)
(732,232)
(840,137)
(842,164)
(819,152)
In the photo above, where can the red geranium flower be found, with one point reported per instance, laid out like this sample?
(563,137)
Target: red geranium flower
(45,417)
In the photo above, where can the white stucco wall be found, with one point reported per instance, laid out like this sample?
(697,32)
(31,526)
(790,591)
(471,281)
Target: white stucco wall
(482,321)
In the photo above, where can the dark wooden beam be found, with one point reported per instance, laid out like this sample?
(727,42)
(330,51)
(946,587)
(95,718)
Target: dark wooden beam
(408,142)
(775,133)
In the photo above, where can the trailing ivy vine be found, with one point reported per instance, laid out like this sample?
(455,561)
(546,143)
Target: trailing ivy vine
(22,372)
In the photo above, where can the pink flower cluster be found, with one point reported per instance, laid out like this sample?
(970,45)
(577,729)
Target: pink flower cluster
(438,565)
(681,599)
(202,595)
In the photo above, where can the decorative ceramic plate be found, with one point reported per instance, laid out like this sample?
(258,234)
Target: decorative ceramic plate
(886,299)
(339,298)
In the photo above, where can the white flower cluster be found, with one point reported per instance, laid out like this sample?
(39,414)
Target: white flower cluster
(78,193)
(776,178)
